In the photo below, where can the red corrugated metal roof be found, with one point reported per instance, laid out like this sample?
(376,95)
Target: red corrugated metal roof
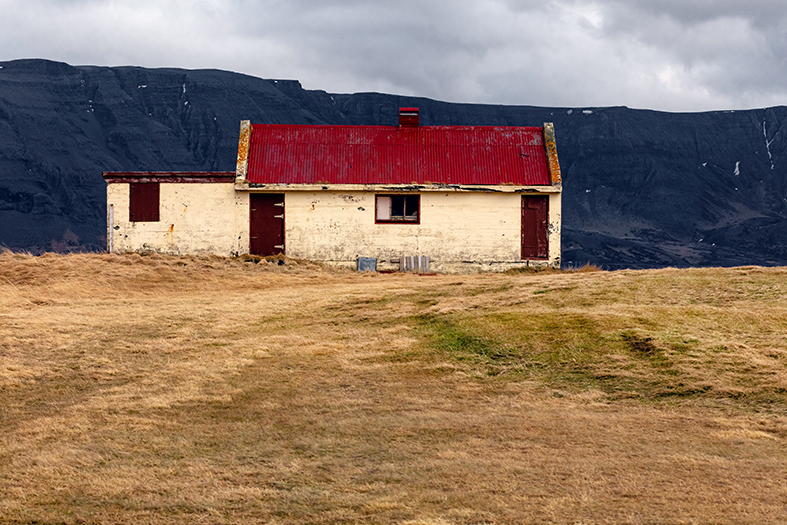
(282,154)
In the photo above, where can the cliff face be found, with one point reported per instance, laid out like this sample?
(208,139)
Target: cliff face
(641,188)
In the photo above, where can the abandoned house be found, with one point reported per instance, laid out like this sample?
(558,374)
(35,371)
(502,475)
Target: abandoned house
(466,197)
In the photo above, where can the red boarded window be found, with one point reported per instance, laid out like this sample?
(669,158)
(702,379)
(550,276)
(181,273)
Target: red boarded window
(143,203)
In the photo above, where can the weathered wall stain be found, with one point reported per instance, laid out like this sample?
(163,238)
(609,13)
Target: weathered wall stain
(216,229)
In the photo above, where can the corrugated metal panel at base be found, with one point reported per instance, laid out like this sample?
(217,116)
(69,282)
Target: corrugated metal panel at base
(414,263)
(392,155)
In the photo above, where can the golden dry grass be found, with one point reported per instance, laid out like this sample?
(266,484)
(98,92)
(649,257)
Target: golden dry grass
(206,390)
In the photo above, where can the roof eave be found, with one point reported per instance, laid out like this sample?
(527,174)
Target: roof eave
(404,188)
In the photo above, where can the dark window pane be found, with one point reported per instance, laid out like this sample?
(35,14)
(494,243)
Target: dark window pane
(411,207)
(397,206)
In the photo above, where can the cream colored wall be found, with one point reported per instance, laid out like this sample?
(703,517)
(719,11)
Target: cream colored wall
(456,229)
(194,218)
(554,228)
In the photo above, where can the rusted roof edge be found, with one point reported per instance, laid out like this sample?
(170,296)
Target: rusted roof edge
(551,148)
(528,129)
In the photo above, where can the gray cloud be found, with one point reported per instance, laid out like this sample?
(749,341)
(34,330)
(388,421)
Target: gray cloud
(663,54)
(735,51)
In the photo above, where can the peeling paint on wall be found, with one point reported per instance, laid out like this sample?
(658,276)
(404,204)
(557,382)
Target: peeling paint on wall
(220,227)
(459,231)
(478,228)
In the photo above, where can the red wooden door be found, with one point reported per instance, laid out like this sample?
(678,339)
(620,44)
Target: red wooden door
(267,224)
(535,217)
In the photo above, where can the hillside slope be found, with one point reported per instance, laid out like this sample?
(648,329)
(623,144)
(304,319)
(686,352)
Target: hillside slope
(178,390)
(642,188)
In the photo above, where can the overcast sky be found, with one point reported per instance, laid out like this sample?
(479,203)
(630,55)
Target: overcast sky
(675,55)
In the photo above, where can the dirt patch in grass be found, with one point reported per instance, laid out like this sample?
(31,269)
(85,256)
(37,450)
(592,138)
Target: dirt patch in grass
(183,389)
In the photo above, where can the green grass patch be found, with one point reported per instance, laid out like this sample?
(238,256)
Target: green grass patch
(576,352)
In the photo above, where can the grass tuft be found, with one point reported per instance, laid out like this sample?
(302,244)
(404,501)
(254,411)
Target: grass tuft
(638,343)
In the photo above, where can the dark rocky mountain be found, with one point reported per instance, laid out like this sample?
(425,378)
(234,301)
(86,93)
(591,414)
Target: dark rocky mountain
(641,188)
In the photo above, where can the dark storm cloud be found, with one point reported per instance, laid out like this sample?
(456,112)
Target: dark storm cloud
(665,54)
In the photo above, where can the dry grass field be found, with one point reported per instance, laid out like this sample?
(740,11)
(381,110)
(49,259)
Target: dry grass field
(158,390)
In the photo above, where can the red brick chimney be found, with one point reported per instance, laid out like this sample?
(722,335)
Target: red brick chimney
(408,117)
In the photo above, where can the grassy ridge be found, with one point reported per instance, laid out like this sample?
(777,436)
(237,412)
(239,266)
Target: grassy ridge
(714,334)
(182,389)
